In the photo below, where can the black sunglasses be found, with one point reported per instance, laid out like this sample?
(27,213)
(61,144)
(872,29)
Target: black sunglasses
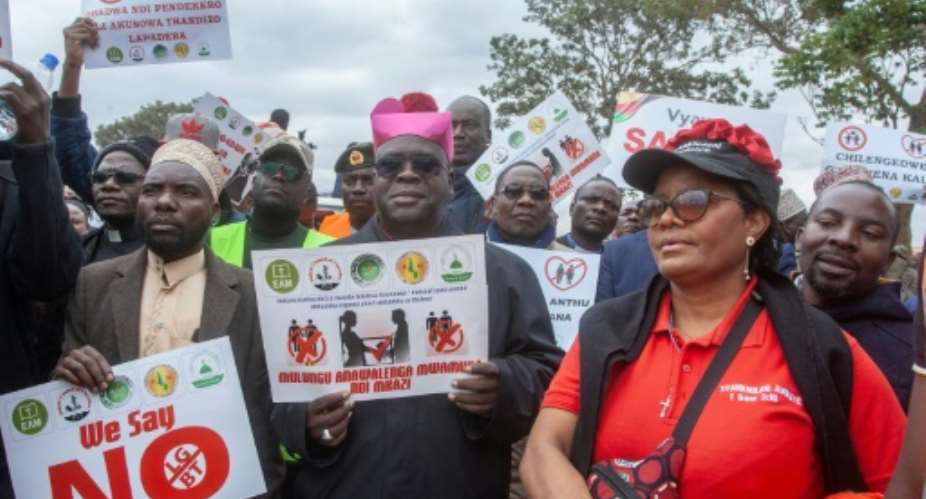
(122,178)
(514,193)
(290,173)
(423,166)
(689,206)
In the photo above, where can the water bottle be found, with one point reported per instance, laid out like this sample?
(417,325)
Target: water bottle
(44,71)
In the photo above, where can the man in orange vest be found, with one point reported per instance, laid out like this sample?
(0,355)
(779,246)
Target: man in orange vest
(355,165)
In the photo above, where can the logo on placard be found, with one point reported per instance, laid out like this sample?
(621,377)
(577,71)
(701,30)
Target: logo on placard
(114,55)
(895,192)
(325,274)
(118,393)
(565,274)
(852,138)
(367,269)
(182,50)
(536,125)
(204,50)
(220,112)
(559,113)
(444,335)
(499,155)
(247,131)
(137,53)
(160,51)
(282,276)
(573,147)
(516,139)
(191,461)
(306,344)
(74,404)
(456,265)
(161,381)
(30,417)
(483,171)
(915,147)
(412,267)
(628,103)
(258,138)
(234,122)
(206,370)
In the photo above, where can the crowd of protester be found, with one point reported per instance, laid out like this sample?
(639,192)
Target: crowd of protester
(742,344)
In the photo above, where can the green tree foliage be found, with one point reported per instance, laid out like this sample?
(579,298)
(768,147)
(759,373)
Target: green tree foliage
(149,120)
(598,48)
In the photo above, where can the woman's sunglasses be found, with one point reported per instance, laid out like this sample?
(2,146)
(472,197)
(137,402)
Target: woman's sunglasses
(689,206)
(290,173)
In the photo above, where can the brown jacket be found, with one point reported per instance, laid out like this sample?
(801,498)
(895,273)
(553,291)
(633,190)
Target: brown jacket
(104,312)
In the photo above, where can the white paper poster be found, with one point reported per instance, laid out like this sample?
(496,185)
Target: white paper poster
(554,136)
(569,281)
(895,159)
(383,320)
(238,135)
(6,37)
(138,32)
(644,120)
(153,433)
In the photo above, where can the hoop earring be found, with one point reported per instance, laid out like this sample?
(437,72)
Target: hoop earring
(750,242)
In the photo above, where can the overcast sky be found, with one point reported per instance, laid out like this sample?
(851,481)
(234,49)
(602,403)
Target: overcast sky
(329,61)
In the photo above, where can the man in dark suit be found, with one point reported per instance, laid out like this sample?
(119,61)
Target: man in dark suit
(172,292)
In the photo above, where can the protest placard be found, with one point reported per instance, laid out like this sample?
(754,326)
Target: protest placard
(569,281)
(383,320)
(238,135)
(138,32)
(152,433)
(895,159)
(645,120)
(6,38)
(554,136)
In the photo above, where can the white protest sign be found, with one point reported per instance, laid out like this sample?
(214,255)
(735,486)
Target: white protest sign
(153,433)
(644,120)
(238,135)
(6,37)
(895,159)
(138,32)
(554,136)
(383,320)
(569,281)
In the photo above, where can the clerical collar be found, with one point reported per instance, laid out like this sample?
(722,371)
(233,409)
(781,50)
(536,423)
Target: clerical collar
(121,236)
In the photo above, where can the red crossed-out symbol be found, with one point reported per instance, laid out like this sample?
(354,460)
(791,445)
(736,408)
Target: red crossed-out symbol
(444,335)
(852,138)
(186,463)
(307,345)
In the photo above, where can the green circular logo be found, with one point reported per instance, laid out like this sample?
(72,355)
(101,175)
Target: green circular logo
(160,51)
(367,269)
(30,417)
(220,112)
(516,139)
(483,171)
(118,393)
(282,276)
(114,55)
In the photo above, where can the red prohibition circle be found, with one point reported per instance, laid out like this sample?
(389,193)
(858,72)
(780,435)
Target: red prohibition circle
(849,146)
(214,452)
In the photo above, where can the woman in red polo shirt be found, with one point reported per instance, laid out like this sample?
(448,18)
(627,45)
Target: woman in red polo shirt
(717,381)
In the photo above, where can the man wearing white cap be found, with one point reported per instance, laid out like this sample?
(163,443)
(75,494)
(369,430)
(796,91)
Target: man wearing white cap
(172,292)
(792,214)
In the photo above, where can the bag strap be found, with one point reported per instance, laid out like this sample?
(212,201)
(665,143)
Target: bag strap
(722,360)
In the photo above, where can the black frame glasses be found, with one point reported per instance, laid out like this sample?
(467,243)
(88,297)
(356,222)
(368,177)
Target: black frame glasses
(291,173)
(392,166)
(689,206)
(515,192)
(121,177)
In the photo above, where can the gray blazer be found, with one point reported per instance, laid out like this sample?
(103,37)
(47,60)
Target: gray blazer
(104,313)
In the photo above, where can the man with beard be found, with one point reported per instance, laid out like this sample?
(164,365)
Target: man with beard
(448,446)
(355,165)
(520,210)
(116,183)
(845,248)
(280,190)
(594,210)
(472,134)
(171,293)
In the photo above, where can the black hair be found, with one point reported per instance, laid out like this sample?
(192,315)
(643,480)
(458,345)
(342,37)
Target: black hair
(523,162)
(599,178)
(871,186)
(763,258)
(280,117)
